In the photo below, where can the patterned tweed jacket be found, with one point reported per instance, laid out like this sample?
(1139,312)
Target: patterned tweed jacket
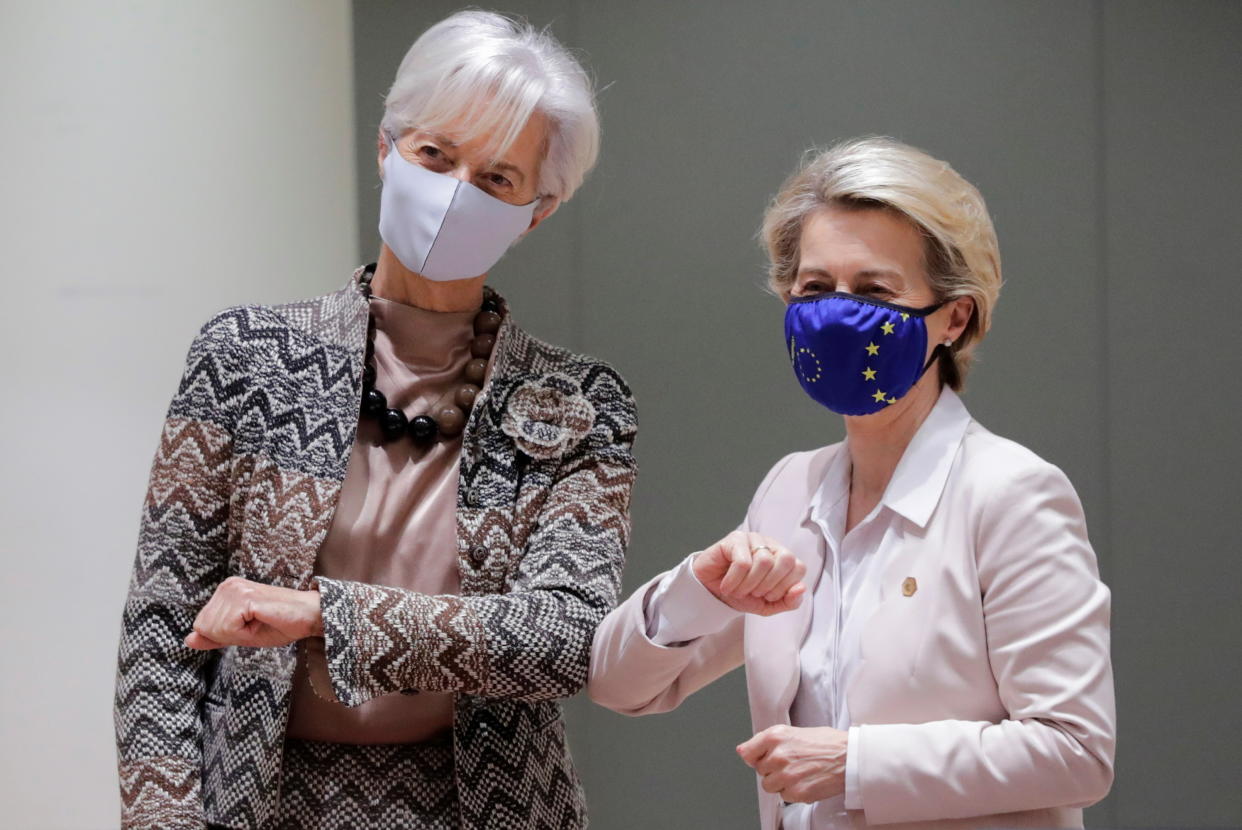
(245,481)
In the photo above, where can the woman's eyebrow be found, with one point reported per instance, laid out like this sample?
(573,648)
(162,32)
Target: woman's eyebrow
(510,168)
(879,272)
(814,271)
(866,273)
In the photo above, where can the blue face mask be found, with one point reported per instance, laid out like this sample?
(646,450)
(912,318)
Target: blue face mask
(853,355)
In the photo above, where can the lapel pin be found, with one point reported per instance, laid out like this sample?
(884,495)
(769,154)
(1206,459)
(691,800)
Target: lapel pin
(908,586)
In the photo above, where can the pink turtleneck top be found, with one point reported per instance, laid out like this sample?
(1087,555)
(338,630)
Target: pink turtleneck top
(396,523)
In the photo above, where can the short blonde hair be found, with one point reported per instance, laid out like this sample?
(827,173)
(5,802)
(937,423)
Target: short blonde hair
(960,248)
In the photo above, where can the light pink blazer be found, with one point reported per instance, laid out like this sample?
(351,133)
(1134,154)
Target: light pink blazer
(985,699)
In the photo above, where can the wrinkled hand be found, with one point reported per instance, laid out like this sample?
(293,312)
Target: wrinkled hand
(804,764)
(245,613)
(752,573)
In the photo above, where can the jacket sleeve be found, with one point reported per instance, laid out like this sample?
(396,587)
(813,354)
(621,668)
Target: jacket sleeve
(182,555)
(1046,615)
(530,644)
(633,674)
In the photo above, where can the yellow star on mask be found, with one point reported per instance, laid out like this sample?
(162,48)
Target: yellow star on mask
(878,396)
(873,349)
(869,374)
(904,317)
(888,328)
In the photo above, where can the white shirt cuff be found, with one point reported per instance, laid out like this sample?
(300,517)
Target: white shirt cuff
(853,787)
(680,609)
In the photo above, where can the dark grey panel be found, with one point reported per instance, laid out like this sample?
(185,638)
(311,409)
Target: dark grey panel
(1173,112)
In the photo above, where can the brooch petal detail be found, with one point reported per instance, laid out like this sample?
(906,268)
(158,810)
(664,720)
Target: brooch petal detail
(547,416)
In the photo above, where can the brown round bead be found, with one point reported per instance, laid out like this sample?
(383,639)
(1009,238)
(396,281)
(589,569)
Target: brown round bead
(476,370)
(465,396)
(451,420)
(481,346)
(486,322)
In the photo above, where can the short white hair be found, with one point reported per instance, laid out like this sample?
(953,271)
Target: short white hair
(494,73)
(959,243)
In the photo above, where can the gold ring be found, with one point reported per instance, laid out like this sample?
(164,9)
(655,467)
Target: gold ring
(763,547)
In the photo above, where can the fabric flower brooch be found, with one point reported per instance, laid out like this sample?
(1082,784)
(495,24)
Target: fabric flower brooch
(547,416)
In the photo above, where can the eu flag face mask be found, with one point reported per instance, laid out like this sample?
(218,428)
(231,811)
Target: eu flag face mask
(853,355)
(441,227)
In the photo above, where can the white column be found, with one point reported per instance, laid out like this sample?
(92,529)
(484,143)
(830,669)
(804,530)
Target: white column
(158,161)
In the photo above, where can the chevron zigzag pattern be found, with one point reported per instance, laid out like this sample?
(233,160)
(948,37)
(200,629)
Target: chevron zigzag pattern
(335,785)
(245,481)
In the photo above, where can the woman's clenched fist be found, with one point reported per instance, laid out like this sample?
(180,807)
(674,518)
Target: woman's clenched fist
(246,613)
(752,573)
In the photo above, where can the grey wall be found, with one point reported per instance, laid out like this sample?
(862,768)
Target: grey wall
(1104,136)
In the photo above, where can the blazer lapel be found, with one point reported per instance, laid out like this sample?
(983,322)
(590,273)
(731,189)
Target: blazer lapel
(772,643)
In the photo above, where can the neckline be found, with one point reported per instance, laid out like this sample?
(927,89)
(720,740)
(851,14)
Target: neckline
(422,338)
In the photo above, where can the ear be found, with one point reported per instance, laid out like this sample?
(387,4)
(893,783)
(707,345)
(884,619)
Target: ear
(381,148)
(547,207)
(960,312)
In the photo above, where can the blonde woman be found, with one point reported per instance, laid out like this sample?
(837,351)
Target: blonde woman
(929,647)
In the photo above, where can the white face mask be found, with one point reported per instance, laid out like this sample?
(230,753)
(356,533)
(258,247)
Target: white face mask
(441,227)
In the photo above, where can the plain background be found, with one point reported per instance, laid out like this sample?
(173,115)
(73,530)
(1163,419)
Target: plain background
(158,162)
(162,161)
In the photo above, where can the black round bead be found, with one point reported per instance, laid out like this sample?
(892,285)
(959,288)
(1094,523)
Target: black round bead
(368,375)
(373,402)
(423,428)
(392,424)
(491,305)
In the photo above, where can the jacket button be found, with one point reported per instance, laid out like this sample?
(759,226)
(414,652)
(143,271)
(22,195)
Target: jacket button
(472,498)
(909,586)
(478,554)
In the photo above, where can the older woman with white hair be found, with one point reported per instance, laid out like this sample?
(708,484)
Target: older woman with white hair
(930,645)
(383,524)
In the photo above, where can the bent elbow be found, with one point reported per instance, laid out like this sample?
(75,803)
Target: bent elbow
(1093,779)
(622,707)
(605,694)
(1102,780)
(611,693)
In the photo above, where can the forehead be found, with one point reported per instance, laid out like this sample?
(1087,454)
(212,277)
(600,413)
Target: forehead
(853,238)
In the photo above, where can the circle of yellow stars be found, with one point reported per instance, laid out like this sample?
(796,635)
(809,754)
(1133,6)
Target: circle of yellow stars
(795,350)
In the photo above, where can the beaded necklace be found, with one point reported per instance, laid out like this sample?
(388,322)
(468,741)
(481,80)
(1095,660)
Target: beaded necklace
(446,420)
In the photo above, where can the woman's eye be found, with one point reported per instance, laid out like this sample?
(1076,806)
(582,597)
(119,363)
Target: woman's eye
(498,180)
(430,151)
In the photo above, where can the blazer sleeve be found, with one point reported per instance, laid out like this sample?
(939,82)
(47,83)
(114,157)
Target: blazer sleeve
(530,644)
(634,675)
(1046,615)
(182,555)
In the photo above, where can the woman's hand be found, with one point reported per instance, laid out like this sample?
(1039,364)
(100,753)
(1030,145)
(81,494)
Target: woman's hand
(752,573)
(803,764)
(245,613)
